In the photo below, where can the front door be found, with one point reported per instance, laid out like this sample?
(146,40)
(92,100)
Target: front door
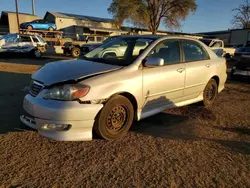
(42,25)
(8,43)
(163,85)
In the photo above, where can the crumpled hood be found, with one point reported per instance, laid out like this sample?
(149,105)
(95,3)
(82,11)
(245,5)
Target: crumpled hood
(62,71)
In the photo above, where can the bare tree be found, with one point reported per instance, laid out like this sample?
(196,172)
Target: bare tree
(241,19)
(150,13)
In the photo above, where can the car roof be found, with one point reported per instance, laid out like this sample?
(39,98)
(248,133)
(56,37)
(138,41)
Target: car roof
(155,37)
(27,35)
(142,36)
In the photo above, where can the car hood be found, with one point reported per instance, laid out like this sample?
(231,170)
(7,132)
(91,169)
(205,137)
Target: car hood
(71,70)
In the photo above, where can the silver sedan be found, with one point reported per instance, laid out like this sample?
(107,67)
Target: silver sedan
(126,79)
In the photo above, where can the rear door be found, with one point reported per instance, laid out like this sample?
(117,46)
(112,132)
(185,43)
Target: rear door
(163,85)
(42,25)
(198,65)
(35,40)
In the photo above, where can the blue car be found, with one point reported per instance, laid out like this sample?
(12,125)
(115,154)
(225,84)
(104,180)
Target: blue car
(38,25)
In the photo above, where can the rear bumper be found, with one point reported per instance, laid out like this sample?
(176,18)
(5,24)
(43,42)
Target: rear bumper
(222,83)
(43,112)
(240,74)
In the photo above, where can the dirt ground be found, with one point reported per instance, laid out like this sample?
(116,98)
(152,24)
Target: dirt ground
(184,147)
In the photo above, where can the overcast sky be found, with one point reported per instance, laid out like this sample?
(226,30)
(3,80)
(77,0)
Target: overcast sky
(211,15)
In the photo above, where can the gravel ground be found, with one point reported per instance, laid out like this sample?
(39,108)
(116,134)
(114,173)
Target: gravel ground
(183,147)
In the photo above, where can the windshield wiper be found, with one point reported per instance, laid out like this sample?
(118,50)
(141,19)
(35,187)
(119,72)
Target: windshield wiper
(102,60)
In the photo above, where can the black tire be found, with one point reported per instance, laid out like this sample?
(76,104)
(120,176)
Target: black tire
(232,75)
(51,29)
(36,53)
(227,56)
(210,93)
(75,52)
(29,28)
(115,118)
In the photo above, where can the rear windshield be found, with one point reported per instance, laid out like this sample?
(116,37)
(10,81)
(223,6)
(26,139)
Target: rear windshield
(207,42)
(41,39)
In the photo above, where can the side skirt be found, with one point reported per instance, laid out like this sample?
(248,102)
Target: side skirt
(142,115)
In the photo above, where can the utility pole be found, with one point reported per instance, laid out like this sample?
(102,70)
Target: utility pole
(17,17)
(33,7)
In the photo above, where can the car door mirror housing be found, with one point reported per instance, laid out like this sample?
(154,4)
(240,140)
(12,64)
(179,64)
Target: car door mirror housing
(154,62)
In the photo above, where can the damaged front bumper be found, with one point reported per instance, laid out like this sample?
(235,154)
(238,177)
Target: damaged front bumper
(60,120)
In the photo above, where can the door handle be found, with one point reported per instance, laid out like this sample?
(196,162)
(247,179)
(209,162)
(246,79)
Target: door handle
(208,65)
(180,70)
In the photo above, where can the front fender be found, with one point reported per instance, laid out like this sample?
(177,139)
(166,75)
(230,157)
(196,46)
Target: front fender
(106,85)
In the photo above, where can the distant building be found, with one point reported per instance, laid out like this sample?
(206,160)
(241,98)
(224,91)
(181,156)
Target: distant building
(8,21)
(231,37)
(78,26)
(240,36)
(82,25)
(143,31)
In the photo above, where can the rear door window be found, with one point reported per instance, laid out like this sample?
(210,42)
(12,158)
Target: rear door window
(25,39)
(193,51)
(35,39)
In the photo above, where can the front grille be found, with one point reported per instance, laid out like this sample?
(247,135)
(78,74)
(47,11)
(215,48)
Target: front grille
(35,88)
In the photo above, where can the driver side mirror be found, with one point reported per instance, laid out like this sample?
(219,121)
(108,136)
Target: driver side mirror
(154,62)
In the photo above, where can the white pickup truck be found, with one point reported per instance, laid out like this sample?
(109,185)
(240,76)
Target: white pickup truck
(218,47)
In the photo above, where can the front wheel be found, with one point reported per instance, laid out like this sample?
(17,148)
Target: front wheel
(76,52)
(115,118)
(210,93)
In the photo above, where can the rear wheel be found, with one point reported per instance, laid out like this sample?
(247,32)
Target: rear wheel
(76,52)
(37,53)
(51,29)
(232,75)
(227,56)
(29,28)
(115,118)
(210,93)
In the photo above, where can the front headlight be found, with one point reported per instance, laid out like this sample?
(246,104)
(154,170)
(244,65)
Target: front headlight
(67,92)
(234,67)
